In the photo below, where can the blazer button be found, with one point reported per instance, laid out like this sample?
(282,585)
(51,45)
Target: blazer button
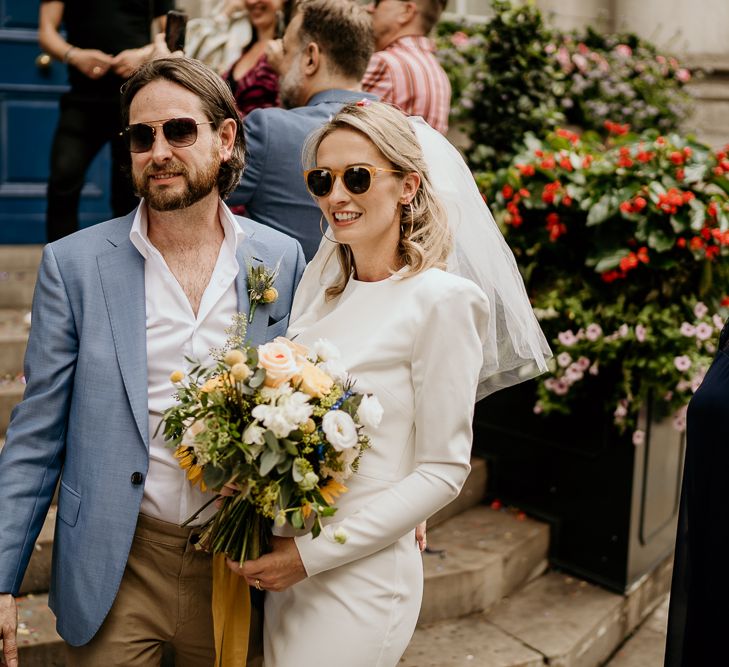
(137,478)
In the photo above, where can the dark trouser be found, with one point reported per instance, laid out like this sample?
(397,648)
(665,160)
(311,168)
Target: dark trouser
(86,123)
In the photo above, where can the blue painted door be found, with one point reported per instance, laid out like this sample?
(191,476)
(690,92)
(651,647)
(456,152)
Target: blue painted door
(29,93)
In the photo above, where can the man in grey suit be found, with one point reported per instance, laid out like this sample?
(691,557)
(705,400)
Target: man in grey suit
(118,307)
(322,57)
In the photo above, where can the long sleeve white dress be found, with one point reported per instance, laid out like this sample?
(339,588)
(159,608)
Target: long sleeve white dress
(416,344)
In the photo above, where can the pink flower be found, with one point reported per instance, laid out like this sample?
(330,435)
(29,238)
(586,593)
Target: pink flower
(704,331)
(459,39)
(564,359)
(567,338)
(550,384)
(583,363)
(593,332)
(640,333)
(682,363)
(622,410)
(700,309)
(537,409)
(688,329)
(561,388)
(573,374)
(624,50)
(718,322)
(638,437)
(683,75)
(623,330)
(668,396)
(594,369)
(679,419)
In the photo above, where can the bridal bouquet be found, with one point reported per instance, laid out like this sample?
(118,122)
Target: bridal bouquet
(280,422)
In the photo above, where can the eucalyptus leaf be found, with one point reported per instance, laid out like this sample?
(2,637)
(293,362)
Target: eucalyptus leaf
(269,460)
(297,519)
(214,477)
(258,378)
(272,441)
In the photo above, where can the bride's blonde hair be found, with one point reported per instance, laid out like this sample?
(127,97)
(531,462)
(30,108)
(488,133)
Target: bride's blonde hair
(425,239)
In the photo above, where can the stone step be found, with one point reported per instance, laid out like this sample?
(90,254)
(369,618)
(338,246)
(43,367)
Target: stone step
(554,620)
(647,647)
(38,575)
(11,391)
(38,643)
(18,269)
(478,557)
(14,326)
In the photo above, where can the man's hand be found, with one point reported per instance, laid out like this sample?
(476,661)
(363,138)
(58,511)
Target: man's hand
(275,54)
(420,536)
(91,62)
(129,61)
(276,571)
(8,628)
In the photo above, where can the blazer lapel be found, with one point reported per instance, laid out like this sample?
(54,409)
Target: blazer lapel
(252,253)
(122,281)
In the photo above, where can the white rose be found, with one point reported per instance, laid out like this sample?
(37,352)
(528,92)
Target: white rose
(370,412)
(339,429)
(325,350)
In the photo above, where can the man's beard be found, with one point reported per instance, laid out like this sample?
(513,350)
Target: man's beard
(167,198)
(289,86)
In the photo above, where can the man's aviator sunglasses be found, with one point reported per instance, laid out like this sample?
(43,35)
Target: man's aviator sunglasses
(357,179)
(179,133)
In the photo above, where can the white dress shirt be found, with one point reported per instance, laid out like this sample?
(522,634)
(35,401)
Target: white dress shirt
(173,333)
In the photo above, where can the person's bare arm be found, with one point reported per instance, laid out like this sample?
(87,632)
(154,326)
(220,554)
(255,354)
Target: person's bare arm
(9,628)
(91,62)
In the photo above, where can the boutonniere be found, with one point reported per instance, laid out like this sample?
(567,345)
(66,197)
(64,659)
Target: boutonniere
(261,288)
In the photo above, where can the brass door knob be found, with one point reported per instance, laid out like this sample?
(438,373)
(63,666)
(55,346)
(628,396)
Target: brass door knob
(43,62)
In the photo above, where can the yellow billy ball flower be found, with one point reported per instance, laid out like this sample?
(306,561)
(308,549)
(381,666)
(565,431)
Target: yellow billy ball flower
(269,295)
(308,426)
(176,376)
(240,372)
(233,357)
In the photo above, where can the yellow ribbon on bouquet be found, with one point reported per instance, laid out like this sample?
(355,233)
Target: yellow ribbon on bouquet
(231,615)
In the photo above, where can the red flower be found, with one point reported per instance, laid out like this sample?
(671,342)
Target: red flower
(624,161)
(611,276)
(645,156)
(616,128)
(567,200)
(539,153)
(706,233)
(526,169)
(676,157)
(525,193)
(696,243)
(725,301)
(626,207)
(718,171)
(639,203)
(507,191)
(552,218)
(687,151)
(725,164)
(712,252)
(712,209)
(680,174)
(587,161)
(660,141)
(630,261)
(565,163)
(688,196)
(681,242)
(642,255)
(566,134)
(548,162)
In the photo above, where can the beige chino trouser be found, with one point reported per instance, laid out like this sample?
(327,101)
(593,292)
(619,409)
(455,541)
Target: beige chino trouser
(164,597)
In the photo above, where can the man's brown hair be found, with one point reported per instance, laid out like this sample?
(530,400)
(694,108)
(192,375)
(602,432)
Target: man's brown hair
(343,31)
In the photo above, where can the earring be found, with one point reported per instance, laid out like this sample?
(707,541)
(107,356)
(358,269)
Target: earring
(412,223)
(323,233)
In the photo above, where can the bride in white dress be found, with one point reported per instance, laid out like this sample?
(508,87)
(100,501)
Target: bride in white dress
(422,340)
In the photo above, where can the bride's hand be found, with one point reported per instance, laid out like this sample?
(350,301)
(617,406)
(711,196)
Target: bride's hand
(420,536)
(275,571)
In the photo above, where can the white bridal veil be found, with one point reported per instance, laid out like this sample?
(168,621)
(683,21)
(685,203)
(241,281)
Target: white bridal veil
(515,348)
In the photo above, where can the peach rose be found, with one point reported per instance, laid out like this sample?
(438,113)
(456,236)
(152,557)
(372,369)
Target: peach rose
(313,380)
(279,362)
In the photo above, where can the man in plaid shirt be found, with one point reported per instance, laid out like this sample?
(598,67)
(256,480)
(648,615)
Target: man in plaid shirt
(404,70)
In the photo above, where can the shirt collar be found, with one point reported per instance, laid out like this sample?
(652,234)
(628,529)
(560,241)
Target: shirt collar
(234,234)
(417,41)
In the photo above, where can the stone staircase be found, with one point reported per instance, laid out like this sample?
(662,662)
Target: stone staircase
(489,598)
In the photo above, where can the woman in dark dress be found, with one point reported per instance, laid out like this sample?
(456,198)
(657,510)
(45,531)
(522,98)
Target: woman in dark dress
(253,82)
(697,622)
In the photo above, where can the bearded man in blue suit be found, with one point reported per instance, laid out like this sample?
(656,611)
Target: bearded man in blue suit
(117,307)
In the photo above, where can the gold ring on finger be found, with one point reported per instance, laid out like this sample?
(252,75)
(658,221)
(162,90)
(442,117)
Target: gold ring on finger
(258,585)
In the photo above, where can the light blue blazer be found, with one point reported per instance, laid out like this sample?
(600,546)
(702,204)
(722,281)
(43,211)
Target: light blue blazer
(84,416)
